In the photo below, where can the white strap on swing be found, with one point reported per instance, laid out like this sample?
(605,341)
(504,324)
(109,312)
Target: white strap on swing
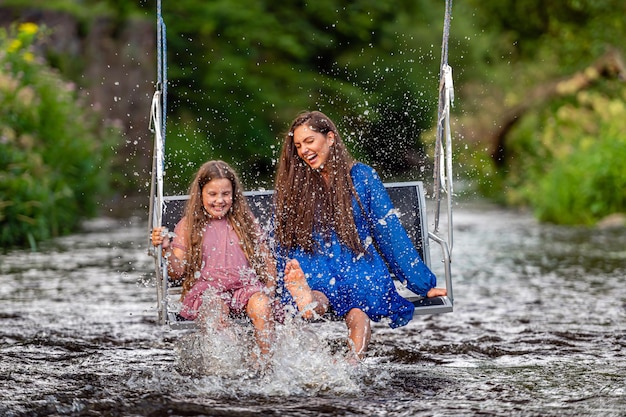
(446,88)
(443,146)
(445,170)
(157,202)
(156,128)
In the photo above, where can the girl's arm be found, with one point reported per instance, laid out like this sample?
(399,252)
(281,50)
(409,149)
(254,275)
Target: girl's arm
(271,274)
(269,266)
(174,255)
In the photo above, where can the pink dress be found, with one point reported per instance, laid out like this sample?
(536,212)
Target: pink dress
(225,269)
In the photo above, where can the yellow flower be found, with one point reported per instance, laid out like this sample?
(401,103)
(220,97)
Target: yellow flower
(15,45)
(28,28)
(28,56)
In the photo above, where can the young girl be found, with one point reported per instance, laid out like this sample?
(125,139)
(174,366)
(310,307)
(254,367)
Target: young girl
(218,246)
(334,216)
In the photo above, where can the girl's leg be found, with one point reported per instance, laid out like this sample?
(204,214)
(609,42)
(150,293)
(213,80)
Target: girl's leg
(359,331)
(321,302)
(213,312)
(296,284)
(259,310)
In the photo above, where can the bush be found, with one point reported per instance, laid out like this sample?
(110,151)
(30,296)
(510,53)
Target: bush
(53,153)
(570,159)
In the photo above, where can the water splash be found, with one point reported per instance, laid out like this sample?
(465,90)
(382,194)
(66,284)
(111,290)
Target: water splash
(301,362)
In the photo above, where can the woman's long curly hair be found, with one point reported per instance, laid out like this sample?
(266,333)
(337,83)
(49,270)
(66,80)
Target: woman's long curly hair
(305,202)
(239,217)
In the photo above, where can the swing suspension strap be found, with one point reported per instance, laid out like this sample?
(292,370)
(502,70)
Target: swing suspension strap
(157,127)
(162,66)
(443,147)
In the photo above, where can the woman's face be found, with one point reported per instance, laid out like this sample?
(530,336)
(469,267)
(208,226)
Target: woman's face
(217,197)
(312,146)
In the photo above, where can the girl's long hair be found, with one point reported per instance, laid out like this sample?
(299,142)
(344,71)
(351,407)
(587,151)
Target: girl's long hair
(305,202)
(240,217)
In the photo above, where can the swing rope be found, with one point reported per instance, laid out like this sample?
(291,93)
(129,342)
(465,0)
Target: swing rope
(157,126)
(442,174)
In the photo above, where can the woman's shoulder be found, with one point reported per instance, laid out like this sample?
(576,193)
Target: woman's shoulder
(363,172)
(359,168)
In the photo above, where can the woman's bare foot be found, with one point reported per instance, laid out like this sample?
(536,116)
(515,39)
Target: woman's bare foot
(295,282)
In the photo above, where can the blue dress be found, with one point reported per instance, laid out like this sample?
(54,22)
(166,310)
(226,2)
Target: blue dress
(364,281)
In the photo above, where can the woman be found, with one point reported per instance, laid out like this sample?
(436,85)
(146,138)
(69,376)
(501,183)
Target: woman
(334,216)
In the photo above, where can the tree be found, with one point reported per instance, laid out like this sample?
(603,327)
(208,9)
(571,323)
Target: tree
(238,75)
(53,153)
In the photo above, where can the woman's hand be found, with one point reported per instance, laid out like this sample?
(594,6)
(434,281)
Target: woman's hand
(436,292)
(160,237)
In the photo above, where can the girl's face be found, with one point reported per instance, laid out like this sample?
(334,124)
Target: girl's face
(217,197)
(312,146)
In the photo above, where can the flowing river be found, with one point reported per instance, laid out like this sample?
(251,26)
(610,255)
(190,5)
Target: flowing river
(539,329)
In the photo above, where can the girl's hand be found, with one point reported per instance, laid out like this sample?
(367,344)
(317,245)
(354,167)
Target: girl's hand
(436,292)
(160,237)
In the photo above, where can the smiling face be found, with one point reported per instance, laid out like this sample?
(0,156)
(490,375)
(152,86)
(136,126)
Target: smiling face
(312,146)
(217,197)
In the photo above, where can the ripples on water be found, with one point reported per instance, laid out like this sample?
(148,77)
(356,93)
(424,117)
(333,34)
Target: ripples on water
(538,329)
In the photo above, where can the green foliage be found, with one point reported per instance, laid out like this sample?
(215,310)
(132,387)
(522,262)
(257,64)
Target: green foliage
(573,30)
(564,155)
(569,159)
(239,75)
(53,167)
(81,8)
(240,71)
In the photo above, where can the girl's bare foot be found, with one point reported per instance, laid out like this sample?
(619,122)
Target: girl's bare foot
(296,284)
(353,358)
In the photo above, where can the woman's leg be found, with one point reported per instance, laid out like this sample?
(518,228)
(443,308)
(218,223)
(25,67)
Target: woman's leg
(259,310)
(296,284)
(359,331)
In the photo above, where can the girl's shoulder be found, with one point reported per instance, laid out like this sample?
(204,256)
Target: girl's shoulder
(182,228)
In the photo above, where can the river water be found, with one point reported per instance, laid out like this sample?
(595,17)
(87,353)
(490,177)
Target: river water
(539,329)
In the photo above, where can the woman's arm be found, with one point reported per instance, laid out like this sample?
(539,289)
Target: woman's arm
(391,238)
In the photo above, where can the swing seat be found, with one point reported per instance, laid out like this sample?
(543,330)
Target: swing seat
(408,199)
